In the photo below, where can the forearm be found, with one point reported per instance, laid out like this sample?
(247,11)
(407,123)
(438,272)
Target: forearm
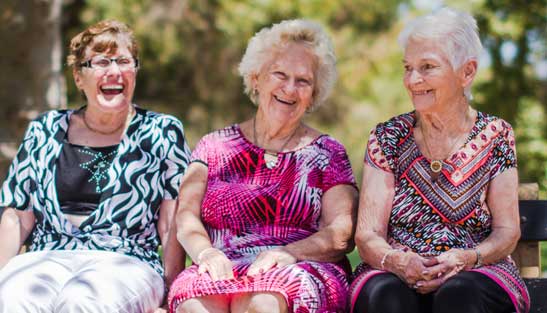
(10,236)
(173,257)
(373,249)
(327,245)
(192,235)
(498,245)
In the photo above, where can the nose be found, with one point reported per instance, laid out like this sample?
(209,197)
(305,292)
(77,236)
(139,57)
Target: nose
(289,87)
(414,77)
(113,68)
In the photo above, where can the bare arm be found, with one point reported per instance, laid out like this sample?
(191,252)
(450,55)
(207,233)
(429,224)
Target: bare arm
(190,230)
(15,227)
(375,204)
(502,200)
(375,207)
(329,244)
(336,228)
(173,254)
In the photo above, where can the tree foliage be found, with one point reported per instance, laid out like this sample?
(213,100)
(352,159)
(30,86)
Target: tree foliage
(190,51)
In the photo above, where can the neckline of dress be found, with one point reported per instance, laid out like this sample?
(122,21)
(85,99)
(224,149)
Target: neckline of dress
(250,143)
(471,134)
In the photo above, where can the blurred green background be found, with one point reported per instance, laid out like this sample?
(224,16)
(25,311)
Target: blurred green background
(190,49)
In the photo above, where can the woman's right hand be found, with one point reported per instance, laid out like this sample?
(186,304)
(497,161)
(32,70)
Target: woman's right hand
(409,266)
(215,262)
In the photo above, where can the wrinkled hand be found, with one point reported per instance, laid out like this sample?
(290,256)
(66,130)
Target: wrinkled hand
(410,266)
(449,264)
(215,262)
(271,258)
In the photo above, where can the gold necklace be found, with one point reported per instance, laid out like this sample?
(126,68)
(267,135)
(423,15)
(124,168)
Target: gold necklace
(102,132)
(436,165)
(272,162)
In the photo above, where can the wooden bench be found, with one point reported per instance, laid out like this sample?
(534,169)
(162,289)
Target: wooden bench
(527,255)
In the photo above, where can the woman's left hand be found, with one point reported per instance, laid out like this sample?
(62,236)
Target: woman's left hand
(271,258)
(449,264)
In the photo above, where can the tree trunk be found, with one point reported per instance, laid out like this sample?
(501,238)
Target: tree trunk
(30,62)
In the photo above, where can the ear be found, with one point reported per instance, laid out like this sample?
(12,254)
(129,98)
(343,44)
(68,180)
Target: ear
(254,81)
(468,72)
(77,78)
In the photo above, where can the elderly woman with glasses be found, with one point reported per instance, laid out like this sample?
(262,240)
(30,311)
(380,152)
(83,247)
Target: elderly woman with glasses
(95,190)
(438,214)
(266,208)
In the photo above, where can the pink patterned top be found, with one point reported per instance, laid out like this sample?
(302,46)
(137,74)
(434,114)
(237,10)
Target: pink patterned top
(249,208)
(430,218)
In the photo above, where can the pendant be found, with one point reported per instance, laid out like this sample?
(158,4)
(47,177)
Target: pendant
(436,166)
(270,160)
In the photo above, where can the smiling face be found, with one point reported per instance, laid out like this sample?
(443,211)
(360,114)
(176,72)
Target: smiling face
(108,89)
(286,84)
(429,78)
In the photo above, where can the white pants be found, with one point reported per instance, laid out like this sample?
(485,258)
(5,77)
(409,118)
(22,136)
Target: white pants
(79,281)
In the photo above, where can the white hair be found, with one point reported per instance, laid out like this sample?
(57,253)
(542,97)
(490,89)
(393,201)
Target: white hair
(456,31)
(269,40)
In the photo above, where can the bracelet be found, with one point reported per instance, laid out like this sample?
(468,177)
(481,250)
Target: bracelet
(384,258)
(198,259)
(478,263)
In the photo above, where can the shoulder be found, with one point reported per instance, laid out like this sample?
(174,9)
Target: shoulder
(492,123)
(159,119)
(224,134)
(398,126)
(329,143)
(52,116)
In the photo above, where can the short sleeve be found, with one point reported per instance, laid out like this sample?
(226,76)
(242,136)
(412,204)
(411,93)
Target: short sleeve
(338,170)
(504,154)
(20,181)
(378,153)
(200,151)
(176,158)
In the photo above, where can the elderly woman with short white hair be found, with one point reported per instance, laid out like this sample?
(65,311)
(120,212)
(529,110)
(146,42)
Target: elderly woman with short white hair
(266,207)
(438,214)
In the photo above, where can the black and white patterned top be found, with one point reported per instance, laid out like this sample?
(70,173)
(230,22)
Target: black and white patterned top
(147,168)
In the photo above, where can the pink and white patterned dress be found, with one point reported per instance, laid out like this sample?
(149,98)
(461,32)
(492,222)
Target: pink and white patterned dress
(249,208)
(430,218)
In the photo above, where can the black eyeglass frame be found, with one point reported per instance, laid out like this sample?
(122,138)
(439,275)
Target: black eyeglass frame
(88,62)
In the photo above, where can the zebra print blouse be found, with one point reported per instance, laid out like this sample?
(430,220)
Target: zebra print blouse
(151,158)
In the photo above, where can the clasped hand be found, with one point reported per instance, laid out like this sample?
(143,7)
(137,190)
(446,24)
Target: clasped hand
(428,274)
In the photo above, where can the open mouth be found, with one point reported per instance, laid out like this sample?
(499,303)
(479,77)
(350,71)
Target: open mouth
(421,92)
(112,89)
(284,101)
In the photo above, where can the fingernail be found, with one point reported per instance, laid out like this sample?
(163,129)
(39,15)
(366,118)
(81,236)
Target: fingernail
(425,273)
(419,284)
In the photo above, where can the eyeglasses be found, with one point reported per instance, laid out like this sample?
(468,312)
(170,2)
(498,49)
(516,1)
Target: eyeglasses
(102,63)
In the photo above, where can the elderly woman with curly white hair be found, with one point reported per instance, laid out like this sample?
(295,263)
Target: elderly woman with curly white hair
(438,214)
(266,206)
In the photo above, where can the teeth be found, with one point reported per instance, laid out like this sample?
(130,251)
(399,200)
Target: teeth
(285,101)
(420,92)
(112,87)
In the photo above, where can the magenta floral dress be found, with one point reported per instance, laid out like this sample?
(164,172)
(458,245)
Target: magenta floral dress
(249,208)
(430,218)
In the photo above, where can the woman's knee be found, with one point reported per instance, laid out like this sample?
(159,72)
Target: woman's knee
(386,293)
(262,302)
(206,304)
(448,297)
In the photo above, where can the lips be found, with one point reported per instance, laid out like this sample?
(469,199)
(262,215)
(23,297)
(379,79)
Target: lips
(284,101)
(112,89)
(421,92)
